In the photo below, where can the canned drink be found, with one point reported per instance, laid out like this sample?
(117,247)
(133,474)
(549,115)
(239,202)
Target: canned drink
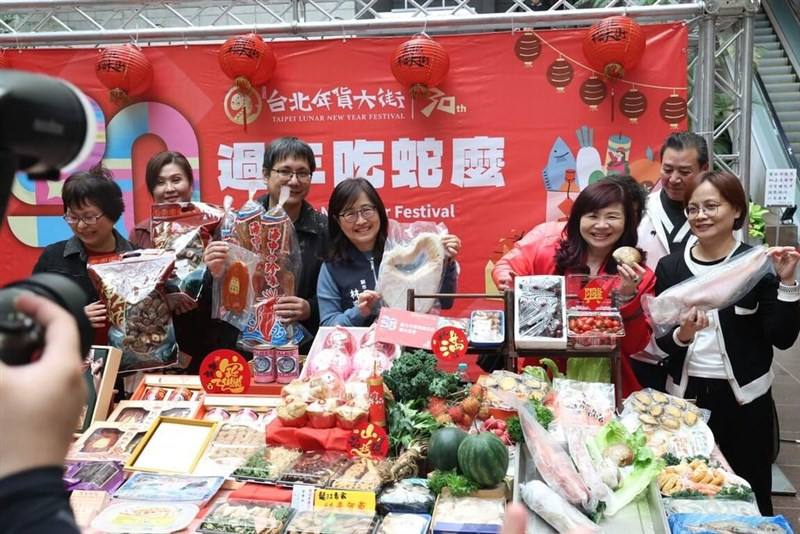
(263,364)
(287,363)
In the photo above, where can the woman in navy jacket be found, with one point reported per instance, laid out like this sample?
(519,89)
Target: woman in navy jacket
(358,227)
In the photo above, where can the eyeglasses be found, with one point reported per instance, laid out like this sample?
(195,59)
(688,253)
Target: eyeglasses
(351,216)
(286,175)
(709,210)
(89,220)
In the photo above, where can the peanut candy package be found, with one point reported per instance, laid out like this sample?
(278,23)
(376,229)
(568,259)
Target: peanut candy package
(140,320)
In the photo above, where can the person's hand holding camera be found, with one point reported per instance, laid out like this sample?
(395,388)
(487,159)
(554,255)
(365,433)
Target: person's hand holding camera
(41,401)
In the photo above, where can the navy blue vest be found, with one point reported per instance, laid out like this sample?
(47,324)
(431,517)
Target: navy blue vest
(352,277)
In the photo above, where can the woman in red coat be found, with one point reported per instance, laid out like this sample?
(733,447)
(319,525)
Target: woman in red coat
(602,219)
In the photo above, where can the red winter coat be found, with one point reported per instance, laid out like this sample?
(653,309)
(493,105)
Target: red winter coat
(538,257)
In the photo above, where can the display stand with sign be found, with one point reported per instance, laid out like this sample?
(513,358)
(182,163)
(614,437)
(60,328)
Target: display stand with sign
(509,348)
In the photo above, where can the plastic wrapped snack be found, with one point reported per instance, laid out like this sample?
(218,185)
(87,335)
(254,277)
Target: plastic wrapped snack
(468,514)
(363,474)
(186,228)
(132,289)
(724,524)
(718,287)
(238,517)
(328,522)
(315,468)
(233,295)
(410,496)
(413,258)
(404,524)
(267,464)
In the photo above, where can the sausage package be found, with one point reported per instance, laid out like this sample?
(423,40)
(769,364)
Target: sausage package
(233,295)
(186,228)
(271,236)
(140,320)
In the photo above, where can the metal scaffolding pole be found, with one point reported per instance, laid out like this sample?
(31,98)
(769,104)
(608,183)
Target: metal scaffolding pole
(478,22)
(746,84)
(704,87)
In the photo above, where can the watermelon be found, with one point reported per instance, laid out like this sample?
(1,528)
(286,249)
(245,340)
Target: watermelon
(483,458)
(443,448)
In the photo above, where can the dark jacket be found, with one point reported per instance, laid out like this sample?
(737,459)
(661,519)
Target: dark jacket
(312,235)
(746,331)
(69,258)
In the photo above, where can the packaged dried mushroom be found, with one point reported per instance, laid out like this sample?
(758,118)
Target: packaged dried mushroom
(132,289)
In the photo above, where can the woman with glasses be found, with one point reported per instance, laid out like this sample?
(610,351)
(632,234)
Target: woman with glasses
(92,205)
(358,227)
(723,357)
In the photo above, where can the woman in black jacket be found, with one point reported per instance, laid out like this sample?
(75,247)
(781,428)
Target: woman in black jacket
(723,357)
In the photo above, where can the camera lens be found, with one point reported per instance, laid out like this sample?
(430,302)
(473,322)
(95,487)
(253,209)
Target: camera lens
(20,336)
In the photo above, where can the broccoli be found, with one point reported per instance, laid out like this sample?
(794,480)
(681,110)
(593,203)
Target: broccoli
(414,377)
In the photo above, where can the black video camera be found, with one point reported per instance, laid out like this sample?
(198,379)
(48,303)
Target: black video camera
(47,124)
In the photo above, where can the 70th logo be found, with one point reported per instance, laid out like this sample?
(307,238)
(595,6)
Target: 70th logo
(442,102)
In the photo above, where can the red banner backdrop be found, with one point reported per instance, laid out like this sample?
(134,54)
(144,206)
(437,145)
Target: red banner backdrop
(488,152)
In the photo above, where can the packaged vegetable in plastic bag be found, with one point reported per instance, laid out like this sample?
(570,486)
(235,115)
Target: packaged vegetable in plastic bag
(552,507)
(413,258)
(132,289)
(185,228)
(407,496)
(233,295)
(719,287)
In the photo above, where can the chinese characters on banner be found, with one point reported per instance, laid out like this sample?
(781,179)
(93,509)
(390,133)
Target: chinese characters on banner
(485,152)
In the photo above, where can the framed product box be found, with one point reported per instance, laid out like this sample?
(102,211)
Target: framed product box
(99,442)
(143,413)
(172,445)
(102,365)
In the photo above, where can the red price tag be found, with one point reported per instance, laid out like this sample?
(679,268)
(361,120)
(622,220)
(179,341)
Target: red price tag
(593,294)
(225,371)
(449,342)
(368,441)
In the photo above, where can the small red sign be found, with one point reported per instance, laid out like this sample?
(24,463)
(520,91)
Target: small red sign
(225,371)
(368,441)
(449,342)
(593,294)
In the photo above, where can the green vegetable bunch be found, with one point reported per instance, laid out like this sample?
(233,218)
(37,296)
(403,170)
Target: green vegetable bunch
(414,377)
(756,224)
(459,485)
(514,429)
(407,423)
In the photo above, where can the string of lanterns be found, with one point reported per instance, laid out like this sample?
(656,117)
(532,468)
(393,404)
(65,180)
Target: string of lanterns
(613,47)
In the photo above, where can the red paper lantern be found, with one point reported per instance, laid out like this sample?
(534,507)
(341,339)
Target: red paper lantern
(125,70)
(527,48)
(5,61)
(614,45)
(420,63)
(673,110)
(247,60)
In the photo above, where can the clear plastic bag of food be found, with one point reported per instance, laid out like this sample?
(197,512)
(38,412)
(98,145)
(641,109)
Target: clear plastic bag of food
(267,464)
(364,474)
(331,522)
(413,258)
(553,508)
(233,295)
(315,468)
(719,287)
(132,288)
(186,228)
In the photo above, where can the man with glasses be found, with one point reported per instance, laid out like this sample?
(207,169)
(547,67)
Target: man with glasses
(92,205)
(664,229)
(290,162)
